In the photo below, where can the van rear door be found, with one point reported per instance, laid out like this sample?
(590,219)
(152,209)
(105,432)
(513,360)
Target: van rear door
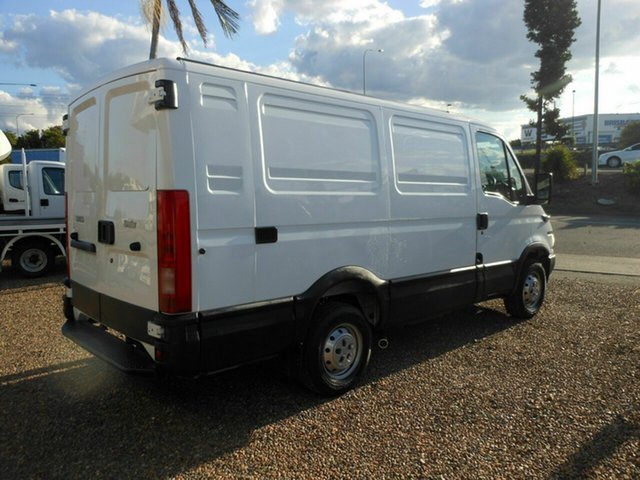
(111,180)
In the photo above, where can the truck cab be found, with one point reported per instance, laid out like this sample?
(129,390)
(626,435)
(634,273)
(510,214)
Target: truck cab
(46,189)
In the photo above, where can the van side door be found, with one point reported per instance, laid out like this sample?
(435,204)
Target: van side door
(505,222)
(433,207)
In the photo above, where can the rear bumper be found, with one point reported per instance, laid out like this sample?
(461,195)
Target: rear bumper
(189,345)
(115,331)
(96,340)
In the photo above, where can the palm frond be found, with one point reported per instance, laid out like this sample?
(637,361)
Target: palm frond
(228,17)
(197,18)
(174,13)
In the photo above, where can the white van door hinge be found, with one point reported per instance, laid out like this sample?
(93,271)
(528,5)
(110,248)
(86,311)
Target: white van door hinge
(165,95)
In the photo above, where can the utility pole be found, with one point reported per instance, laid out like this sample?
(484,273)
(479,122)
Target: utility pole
(594,159)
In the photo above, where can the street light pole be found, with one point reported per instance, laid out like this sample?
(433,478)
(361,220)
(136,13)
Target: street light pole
(17,117)
(364,70)
(573,116)
(594,159)
(21,84)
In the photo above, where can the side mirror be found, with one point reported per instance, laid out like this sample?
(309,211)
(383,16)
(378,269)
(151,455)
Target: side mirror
(5,146)
(544,186)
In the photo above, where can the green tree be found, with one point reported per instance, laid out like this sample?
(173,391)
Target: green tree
(52,137)
(30,139)
(551,24)
(152,12)
(13,139)
(630,134)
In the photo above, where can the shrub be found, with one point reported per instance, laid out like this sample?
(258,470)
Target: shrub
(559,161)
(631,172)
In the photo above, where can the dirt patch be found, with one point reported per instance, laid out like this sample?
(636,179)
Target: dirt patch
(580,197)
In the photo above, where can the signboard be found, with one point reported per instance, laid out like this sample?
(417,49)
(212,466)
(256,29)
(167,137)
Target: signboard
(581,128)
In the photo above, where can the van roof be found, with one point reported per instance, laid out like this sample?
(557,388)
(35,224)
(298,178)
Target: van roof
(183,64)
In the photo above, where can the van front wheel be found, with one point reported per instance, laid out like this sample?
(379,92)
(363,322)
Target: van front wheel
(528,296)
(337,349)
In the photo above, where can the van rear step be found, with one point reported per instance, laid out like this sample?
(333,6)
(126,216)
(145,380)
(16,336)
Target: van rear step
(107,347)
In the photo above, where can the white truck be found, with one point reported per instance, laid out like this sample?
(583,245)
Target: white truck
(218,217)
(32,223)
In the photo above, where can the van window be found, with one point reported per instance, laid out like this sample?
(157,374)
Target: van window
(129,144)
(15,179)
(499,172)
(82,144)
(429,157)
(53,181)
(318,147)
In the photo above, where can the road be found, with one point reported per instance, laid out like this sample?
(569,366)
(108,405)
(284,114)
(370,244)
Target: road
(598,245)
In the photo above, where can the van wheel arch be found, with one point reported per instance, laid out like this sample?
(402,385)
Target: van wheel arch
(355,286)
(534,253)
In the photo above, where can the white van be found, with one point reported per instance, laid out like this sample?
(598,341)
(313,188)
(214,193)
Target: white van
(218,217)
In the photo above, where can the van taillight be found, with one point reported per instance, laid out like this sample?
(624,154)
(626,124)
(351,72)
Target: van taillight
(174,251)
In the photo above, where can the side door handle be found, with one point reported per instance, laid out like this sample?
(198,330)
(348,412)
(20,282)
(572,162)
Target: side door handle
(266,235)
(482,221)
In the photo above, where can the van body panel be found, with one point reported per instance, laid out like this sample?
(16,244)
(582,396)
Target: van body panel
(224,187)
(297,194)
(322,164)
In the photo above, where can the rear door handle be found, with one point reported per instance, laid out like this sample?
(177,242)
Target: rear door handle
(106,232)
(81,244)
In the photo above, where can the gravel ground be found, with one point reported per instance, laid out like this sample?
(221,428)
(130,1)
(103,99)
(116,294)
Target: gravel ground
(471,395)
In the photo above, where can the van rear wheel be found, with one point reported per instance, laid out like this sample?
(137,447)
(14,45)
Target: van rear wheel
(337,349)
(528,296)
(32,259)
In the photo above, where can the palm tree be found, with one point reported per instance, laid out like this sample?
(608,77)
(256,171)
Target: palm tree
(152,11)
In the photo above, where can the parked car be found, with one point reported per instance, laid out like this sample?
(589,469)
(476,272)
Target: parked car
(616,158)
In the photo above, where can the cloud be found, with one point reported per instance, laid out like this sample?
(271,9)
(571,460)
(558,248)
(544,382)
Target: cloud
(461,51)
(79,46)
(266,13)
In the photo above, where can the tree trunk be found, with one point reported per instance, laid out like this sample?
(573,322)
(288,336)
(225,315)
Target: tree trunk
(155,29)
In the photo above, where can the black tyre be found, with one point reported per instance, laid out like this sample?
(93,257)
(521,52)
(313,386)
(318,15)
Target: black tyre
(528,297)
(337,349)
(32,258)
(614,162)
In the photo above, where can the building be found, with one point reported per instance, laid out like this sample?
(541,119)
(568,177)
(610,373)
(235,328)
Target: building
(609,127)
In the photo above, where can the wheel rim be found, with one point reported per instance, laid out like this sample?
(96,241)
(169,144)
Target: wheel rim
(532,291)
(33,260)
(614,162)
(342,351)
